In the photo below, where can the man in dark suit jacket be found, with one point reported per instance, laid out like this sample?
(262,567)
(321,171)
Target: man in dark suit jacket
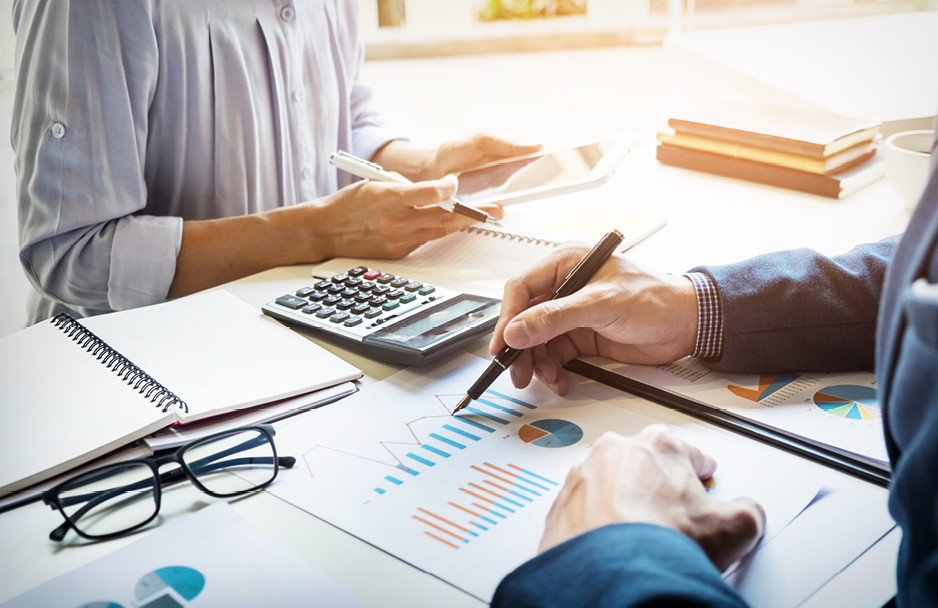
(632,525)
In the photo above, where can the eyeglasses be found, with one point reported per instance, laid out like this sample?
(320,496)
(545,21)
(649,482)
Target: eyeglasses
(119,498)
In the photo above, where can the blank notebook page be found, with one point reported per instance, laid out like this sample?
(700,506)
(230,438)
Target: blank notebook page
(218,353)
(61,407)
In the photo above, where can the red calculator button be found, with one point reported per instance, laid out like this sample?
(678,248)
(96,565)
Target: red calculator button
(371,274)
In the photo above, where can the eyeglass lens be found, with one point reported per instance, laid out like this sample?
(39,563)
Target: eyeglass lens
(248,454)
(111,500)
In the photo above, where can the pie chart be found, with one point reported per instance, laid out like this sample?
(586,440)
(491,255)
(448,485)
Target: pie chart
(849,401)
(186,582)
(550,433)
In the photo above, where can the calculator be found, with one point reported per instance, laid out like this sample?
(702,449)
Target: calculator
(387,317)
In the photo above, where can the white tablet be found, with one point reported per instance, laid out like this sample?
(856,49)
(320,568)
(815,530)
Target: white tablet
(546,173)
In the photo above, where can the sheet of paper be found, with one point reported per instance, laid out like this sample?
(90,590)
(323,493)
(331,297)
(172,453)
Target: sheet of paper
(837,410)
(179,435)
(218,353)
(465,497)
(594,223)
(211,558)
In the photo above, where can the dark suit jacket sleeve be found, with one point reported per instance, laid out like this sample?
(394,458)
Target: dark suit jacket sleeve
(801,311)
(617,566)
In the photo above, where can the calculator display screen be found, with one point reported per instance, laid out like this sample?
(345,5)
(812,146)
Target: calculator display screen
(439,322)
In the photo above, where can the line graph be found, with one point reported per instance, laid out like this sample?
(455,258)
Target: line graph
(430,439)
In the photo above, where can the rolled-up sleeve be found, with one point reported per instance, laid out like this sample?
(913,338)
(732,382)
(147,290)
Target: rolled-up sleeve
(86,73)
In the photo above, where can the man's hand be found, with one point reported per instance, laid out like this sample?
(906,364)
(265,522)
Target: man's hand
(418,164)
(385,220)
(626,313)
(655,478)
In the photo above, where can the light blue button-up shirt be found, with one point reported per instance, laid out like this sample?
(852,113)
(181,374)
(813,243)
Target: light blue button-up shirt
(131,116)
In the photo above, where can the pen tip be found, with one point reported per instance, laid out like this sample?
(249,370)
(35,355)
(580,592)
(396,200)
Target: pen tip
(462,403)
(494,222)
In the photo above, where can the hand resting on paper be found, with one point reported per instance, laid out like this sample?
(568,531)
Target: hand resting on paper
(627,313)
(653,477)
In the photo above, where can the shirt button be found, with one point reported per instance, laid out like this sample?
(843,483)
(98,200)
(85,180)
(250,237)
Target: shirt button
(298,94)
(287,13)
(58,130)
(306,172)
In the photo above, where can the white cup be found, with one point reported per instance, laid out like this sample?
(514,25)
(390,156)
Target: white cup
(908,164)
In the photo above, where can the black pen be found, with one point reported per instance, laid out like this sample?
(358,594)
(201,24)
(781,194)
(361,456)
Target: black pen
(577,278)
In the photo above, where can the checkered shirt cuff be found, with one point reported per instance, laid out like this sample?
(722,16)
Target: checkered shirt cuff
(710,317)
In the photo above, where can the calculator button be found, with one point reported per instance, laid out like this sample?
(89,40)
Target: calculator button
(371,274)
(380,290)
(311,308)
(322,284)
(353,281)
(348,292)
(385,278)
(353,322)
(426,290)
(291,301)
(366,286)
(374,312)
(322,313)
(345,304)
(360,308)
(391,305)
(358,271)
(378,300)
(399,282)
(413,286)
(340,278)
(335,288)
(339,316)
(407,298)
(332,299)
(305,291)
(393,295)
(362,297)
(317,295)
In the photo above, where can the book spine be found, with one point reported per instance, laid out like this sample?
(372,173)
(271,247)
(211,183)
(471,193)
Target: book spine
(758,140)
(748,170)
(135,377)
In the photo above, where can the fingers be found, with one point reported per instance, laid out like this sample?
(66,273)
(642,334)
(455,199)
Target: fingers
(732,530)
(496,148)
(423,194)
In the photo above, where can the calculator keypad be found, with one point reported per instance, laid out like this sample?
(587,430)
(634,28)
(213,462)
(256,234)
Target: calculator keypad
(362,297)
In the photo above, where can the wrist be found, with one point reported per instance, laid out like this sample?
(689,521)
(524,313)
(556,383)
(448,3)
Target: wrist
(301,233)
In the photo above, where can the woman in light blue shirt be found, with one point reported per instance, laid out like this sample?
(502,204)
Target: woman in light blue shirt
(166,147)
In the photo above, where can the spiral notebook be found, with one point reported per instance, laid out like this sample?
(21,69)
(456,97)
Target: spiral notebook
(75,390)
(479,260)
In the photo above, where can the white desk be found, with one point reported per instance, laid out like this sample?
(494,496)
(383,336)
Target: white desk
(711,219)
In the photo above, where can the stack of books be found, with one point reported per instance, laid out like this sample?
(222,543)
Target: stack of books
(811,151)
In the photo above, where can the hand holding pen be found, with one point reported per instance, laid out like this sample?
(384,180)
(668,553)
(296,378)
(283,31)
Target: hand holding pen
(575,280)
(368,170)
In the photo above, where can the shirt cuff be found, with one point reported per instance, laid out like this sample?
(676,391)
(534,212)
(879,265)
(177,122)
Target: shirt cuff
(709,315)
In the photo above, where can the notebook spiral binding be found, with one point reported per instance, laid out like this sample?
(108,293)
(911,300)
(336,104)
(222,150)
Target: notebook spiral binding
(512,237)
(135,377)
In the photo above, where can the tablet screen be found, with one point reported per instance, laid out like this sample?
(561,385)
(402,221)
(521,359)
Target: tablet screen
(553,168)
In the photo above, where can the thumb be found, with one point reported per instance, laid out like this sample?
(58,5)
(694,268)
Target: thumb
(741,524)
(548,320)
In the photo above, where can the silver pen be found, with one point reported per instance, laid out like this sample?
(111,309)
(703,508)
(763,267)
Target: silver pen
(375,172)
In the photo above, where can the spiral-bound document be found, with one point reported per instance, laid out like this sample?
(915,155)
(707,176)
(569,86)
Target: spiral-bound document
(74,390)
(475,260)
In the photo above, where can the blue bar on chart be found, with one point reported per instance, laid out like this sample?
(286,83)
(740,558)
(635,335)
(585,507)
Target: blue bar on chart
(448,441)
(475,424)
(491,417)
(422,461)
(461,432)
(434,450)
(512,399)
(501,408)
